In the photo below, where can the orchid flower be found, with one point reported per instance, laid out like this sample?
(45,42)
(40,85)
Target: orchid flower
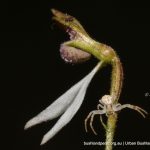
(65,106)
(69,103)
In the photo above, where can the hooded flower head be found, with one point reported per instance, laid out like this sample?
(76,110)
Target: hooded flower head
(76,32)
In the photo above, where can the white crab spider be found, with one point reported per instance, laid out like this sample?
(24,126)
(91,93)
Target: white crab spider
(106,106)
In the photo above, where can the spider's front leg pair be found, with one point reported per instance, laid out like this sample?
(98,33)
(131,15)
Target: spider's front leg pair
(107,107)
(92,114)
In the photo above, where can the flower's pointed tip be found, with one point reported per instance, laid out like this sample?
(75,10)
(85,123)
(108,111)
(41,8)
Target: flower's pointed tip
(57,13)
(53,10)
(44,140)
(29,124)
(42,143)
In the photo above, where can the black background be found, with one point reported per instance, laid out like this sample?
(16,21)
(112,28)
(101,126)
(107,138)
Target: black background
(34,75)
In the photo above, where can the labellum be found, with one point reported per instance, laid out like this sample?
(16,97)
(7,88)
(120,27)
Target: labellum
(73,55)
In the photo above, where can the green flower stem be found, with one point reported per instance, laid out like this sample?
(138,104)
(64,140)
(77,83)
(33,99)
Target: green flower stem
(110,131)
(117,79)
(116,86)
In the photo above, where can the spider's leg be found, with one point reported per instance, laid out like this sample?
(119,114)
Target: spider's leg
(102,122)
(91,121)
(100,106)
(87,118)
(92,114)
(138,109)
(101,119)
(118,105)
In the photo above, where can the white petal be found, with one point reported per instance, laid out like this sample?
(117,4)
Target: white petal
(72,109)
(58,107)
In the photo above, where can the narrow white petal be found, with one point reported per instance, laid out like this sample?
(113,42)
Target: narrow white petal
(72,109)
(58,107)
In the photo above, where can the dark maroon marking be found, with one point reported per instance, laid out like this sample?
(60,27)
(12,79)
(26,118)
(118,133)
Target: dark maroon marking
(71,33)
